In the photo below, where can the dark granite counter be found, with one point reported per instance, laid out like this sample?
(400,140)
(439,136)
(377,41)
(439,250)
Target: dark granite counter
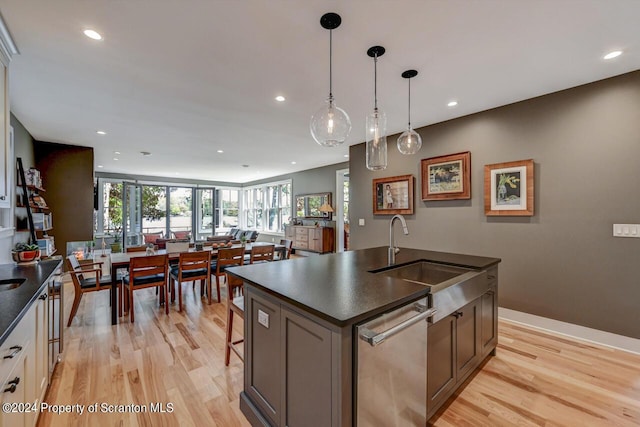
(14,303)
(340,289)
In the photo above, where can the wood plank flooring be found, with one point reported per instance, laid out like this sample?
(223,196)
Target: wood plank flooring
(536,379)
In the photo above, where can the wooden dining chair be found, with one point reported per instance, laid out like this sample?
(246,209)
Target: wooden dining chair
(288,247)
(262,253)
(87,277)
(141,248)
(191,266)
(235,306)
(227,257)
(146,272)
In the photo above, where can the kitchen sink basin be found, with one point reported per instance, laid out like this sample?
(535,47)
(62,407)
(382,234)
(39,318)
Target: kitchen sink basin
(424,272)
(7,284)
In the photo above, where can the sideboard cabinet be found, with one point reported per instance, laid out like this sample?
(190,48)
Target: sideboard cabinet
(311,238)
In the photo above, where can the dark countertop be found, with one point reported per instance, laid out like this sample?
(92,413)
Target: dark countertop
(339,287)
(14,303)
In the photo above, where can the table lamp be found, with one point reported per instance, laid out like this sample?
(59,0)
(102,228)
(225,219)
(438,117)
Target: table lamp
(325,208)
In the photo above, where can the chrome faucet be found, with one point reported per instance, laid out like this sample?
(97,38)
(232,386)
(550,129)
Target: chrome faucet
(392,243)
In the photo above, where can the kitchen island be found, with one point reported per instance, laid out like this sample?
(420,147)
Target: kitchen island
(301,320)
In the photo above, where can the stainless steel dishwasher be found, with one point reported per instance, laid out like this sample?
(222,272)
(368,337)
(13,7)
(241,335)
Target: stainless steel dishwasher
(391,358)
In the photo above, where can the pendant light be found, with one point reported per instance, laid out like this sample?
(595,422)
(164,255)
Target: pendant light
(410,141)
(376,124)
(330,125)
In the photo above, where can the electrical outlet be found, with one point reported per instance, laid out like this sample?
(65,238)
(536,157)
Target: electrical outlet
(263,318)
(626,230)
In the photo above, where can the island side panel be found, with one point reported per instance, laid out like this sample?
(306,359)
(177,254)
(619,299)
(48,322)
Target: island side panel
(300,358)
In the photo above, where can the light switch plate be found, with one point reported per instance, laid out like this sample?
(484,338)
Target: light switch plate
(361,222)
(626,230)
(263,318)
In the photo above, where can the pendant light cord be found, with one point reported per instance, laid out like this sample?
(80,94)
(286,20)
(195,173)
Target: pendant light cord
(375,82)
(330,65)
(409,114)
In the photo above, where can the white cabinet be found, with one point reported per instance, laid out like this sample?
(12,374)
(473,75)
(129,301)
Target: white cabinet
(41,307)
(24,366)
(7,49)
(17,368)
(5,156)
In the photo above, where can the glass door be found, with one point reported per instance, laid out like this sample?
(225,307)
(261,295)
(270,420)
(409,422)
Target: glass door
(132,218)
(180,213)
(204,213)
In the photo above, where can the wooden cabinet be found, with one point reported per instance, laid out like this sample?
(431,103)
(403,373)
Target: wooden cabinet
(293,366)
(452,352)
(457,344)
(489,316)
(311,238)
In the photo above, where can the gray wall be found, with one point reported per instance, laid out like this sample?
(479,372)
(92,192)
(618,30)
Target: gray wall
(563,262)
(22,143)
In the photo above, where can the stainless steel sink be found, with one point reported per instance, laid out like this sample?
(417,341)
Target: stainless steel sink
(450,287)
(424,272)
(7,284)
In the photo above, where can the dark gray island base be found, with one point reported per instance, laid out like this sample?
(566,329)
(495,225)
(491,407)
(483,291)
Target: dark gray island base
(303,358)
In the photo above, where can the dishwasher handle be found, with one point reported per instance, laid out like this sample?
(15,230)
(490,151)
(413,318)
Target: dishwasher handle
(375,338)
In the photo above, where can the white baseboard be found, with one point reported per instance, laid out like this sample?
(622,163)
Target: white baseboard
(607,339)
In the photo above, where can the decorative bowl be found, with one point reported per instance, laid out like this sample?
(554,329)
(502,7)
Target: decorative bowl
(26,256)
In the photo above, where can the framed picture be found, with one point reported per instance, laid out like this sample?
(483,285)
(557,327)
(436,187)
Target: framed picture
(447,177)
(393,195)
(508,189)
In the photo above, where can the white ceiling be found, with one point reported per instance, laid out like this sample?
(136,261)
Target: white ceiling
(183,79)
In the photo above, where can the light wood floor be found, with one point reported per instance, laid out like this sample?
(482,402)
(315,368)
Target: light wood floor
(536,379)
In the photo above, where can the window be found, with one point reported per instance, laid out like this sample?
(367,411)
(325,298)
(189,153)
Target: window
(227,209)
(111,208)
(176,211)
(267,207)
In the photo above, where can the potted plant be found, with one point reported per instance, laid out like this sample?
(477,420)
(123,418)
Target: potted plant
(115,246)
(25,252)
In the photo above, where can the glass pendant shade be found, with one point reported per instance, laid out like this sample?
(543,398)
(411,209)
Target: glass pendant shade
(330,125)
(376,123)
(409,142)
(376,137)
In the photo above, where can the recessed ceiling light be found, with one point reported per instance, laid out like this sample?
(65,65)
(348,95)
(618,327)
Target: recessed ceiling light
(145,153)
(220,151)
(452,104)
(115,158)
(293,163)
(177,173)
(101,132)
(116,152)
(100,166)
(280,98)
(613,54)
(346,155)
(93,34)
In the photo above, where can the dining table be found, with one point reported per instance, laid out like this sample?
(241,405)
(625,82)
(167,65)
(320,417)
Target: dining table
(121,260)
